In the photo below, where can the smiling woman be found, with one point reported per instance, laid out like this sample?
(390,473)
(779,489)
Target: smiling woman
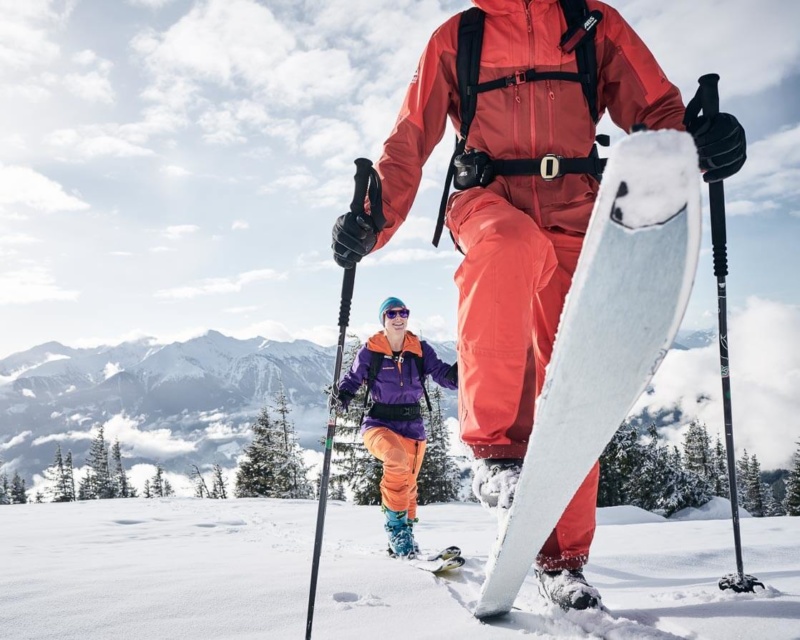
(393,429)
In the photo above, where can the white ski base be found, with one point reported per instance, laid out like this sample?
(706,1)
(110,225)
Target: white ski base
(628,296)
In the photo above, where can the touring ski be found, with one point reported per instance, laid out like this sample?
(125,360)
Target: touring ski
(627,299)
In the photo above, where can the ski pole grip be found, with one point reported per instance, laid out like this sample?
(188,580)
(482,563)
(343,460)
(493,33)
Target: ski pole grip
(709,99)
(348,282)
(363,166)
(710,94)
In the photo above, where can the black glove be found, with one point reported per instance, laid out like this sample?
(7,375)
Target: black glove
(721,145)
(452,374)
(339,399)
(354,236)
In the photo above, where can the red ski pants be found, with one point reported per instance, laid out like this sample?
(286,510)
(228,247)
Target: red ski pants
(512,284)
(402,459)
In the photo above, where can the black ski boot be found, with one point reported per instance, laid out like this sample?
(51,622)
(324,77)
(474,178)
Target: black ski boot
(568,589)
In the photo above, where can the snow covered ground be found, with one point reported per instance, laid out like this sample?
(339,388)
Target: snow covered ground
(206,569)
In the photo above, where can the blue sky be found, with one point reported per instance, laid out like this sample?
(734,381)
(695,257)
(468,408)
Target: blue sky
(171,166)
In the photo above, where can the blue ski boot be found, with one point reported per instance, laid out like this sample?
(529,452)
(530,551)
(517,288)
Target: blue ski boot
(401,540)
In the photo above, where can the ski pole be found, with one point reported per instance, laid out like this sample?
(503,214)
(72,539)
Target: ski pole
(367,181)
(708,93)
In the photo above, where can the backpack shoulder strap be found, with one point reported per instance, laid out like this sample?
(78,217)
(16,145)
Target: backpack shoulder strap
(375,364)
(581,26)
(421,371)
(468,64)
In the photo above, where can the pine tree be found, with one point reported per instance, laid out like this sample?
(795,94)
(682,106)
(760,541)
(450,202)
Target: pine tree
(720,483)
(622,457)
(354,468)
(742,473)
(438,478)
(119,479)
(294,470)
(69,478)
(5,496)
(159,486)
(791,503)
(99,484)
(698,456)
(56,473)
(753,491)
(218,489)
(148,493)
(661,484)
(200,486)
(18,493)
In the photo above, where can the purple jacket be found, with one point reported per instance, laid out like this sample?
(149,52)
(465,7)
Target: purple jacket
(398,380)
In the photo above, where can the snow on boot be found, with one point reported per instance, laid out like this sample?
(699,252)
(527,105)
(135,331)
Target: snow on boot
(568,589)
(401,540)
(494,481)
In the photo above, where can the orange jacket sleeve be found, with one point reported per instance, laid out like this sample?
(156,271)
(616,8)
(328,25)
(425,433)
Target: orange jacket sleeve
(631,84)
(419,128)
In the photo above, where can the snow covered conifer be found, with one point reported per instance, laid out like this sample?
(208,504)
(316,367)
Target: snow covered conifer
(697,454)
(100,485)
(219,482)
(18,492)
(354,467)
(58,475)
(5,497)
(119,479)
(621,458)
(438,479)
(791,503)
(720,483)
(753,483)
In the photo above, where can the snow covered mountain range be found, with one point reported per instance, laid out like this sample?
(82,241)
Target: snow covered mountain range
(178,404)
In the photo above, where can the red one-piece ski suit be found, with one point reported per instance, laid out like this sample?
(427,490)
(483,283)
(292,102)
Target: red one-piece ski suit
(521,236)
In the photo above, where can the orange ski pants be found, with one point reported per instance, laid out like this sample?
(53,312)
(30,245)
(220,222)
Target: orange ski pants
(512,285)
(402,458)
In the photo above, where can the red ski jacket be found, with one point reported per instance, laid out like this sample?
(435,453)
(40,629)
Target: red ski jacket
(526,120)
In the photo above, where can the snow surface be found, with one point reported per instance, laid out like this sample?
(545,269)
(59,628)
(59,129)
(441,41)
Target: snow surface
(207,569)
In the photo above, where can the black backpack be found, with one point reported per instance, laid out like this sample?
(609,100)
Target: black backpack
(579,37)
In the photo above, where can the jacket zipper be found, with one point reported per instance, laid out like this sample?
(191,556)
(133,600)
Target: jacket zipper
(551,116)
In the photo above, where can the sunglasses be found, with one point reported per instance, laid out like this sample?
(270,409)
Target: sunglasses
(393,313)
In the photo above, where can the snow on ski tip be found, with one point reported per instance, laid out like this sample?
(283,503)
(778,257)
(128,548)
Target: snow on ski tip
(627,299)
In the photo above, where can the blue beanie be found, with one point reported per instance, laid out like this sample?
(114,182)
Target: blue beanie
(387,304)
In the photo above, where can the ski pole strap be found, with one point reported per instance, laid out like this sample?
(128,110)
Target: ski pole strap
(402,412)
(549,167)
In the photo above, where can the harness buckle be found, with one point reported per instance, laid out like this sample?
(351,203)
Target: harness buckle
(520,77)
(550,167)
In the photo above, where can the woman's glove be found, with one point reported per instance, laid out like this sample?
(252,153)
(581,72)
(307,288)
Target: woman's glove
(339,399)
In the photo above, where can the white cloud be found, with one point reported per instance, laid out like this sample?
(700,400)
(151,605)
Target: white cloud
(111,369)
(157,444)
(96,141)
(24,38)
(92,86)
(764,341)
(15,440)
(215,286)
(24,186)
(178,231)
(240,225)
(150,4)
(175,171)
(704,31)
(28,286)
